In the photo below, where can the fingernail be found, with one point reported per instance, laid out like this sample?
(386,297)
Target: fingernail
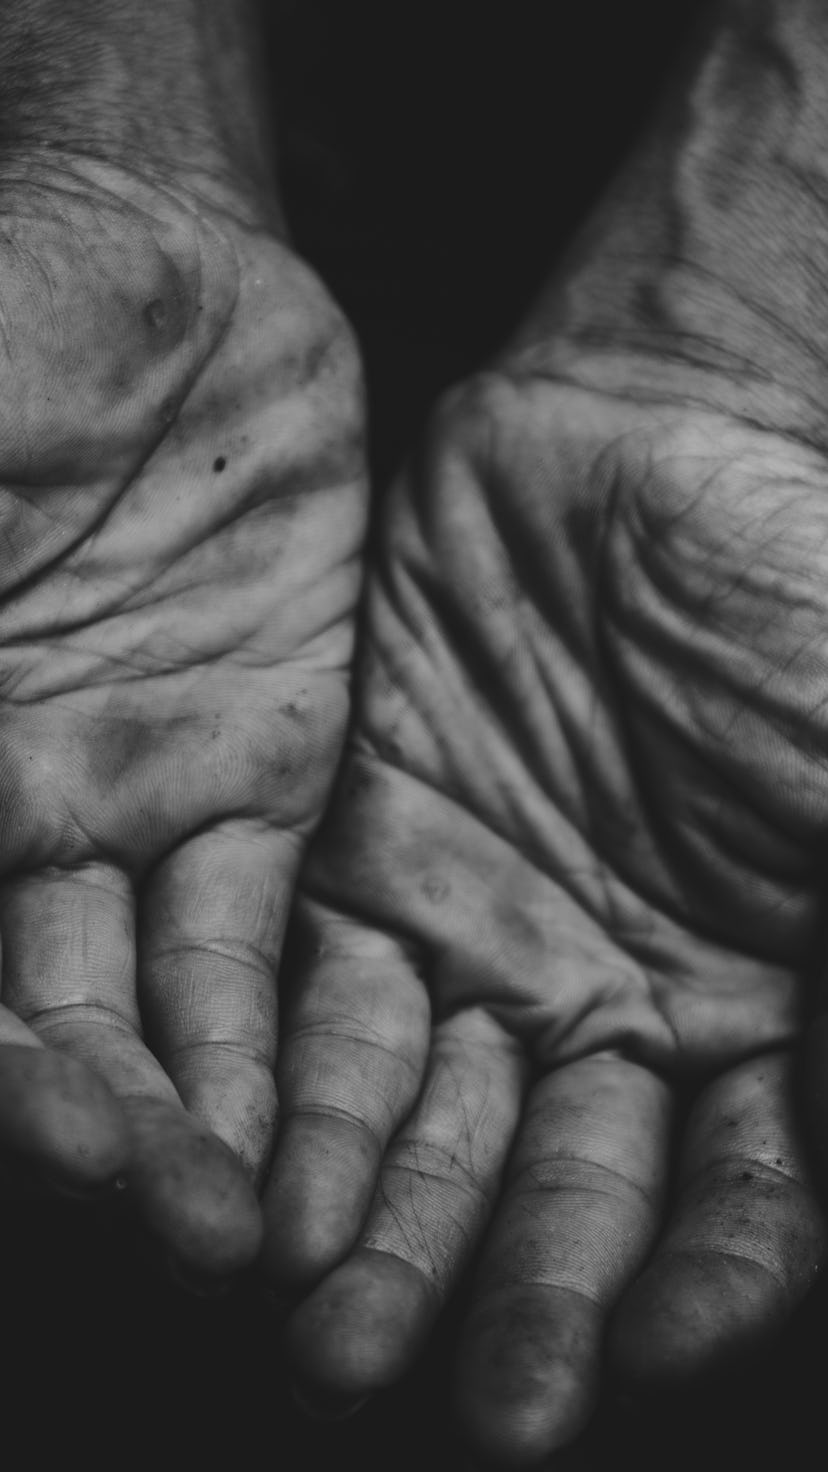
(80,1191)
(200,1285)
(325,1405)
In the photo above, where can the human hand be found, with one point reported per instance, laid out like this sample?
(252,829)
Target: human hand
(181,510)
(558,928)
(579,824)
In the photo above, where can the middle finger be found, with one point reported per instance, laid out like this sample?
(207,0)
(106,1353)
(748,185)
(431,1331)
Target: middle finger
(581,1206)
(366,1322)
(69,972)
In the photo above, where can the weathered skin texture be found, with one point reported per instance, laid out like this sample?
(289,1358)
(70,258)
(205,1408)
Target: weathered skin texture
(181,509)
(567,897)
(581,822)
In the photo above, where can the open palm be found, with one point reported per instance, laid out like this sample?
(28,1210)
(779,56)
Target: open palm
(181,507)
(568,881)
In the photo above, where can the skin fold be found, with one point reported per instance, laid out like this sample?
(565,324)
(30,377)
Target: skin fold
(561,931)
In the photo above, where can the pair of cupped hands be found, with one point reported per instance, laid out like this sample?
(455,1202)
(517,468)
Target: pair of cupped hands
(543,971)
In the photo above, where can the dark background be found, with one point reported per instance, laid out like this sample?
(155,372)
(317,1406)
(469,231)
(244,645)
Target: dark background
(435,158)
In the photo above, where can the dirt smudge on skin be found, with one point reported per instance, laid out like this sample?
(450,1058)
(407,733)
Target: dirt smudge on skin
(436,890)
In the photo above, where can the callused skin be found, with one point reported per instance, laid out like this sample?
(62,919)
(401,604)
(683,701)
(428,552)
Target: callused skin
(573,870)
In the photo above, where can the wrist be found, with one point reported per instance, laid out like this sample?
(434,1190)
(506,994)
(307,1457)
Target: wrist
(705,270)
(167,88)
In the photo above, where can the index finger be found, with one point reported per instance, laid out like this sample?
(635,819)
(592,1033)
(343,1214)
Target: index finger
(57,1116)
(353,1055)
(211,923)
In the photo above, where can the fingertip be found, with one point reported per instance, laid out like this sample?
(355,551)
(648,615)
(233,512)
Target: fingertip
(690,1318)
(316,1199)
(362,1328)
(235,1100)
(318,1406)
(58,1113)
(527,1374)
(193,1193)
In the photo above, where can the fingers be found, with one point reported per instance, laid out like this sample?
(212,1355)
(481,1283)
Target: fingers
(57,1118)
(367,1321)
(579,1211)
(212,920)
(69,972)
(353,1051)
(744,1242)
